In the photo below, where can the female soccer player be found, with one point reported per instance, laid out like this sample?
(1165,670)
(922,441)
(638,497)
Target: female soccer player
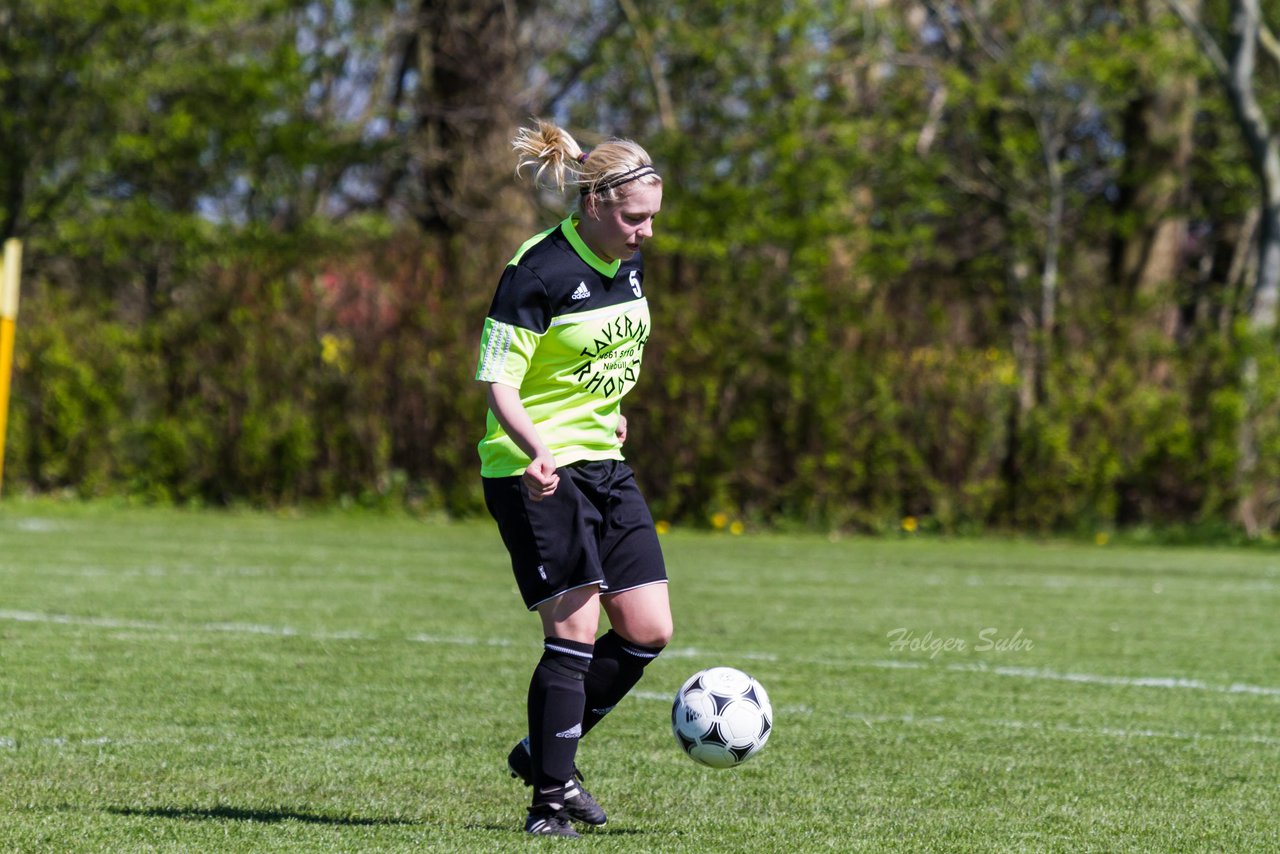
(561,345)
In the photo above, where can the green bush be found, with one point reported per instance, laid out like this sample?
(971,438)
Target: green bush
(349,380)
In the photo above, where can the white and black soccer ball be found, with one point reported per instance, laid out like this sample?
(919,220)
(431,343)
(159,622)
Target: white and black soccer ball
(721,717)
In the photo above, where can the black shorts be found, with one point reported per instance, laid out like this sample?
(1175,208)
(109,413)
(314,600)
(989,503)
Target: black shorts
(595,529)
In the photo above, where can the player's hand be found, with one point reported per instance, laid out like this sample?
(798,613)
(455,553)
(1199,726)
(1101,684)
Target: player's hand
(540,477)
(621,431)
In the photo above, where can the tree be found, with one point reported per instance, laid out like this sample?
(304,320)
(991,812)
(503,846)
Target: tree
(1028,142)
(1238,71)
(1151,202)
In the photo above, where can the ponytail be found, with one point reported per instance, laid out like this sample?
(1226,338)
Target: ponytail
(550,149)
(559,160)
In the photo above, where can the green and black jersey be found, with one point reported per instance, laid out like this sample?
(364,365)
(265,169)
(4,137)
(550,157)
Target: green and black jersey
(568,331)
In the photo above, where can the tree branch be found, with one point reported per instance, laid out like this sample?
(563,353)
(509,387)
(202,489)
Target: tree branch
(1207,44)
(573,74)
(1270,44)
(937,103)
(644,39)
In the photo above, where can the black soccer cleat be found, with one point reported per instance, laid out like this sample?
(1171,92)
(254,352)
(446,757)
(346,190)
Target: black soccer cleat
(578,803)
(546,822)
(580,806)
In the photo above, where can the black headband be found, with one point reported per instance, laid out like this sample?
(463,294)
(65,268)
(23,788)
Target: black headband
(618,180)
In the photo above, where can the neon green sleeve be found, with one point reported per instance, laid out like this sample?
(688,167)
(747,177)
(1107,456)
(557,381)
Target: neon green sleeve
(505,353)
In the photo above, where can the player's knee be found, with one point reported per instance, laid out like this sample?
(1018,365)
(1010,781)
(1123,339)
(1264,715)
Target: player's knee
(664,637)
(583,629)
(656,634)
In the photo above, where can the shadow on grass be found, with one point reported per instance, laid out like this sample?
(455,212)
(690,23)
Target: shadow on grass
(585,831)
(263,816)
(226,813)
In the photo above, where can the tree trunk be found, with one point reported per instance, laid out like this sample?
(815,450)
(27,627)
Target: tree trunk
(1158,126)
(467,57)
(1246,26)
(1238,70)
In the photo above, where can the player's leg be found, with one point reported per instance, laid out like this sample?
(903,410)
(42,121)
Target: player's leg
(641,627)
(573,615)
(635,598)
(556,566)
(556,701)
(641,615)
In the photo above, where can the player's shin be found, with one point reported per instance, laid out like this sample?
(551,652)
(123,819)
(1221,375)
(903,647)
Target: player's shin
(616,667)
(556,698)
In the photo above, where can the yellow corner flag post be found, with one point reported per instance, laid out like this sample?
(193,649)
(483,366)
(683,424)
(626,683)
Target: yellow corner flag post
(9,276)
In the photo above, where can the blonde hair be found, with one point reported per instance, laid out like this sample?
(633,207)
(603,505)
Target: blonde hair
(559,160)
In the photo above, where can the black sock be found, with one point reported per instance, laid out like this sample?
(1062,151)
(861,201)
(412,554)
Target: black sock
(616,666)
(556,698)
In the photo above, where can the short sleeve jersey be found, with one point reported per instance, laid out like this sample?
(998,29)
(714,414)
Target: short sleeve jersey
(568,331)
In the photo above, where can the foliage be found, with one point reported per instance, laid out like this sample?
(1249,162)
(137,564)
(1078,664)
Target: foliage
(972,264)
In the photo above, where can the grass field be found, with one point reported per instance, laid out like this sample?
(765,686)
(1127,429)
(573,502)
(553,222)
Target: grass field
(199,681)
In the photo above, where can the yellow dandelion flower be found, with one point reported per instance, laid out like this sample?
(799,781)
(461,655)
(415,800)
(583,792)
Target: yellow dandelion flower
(335,351)
(910,524)
(736,528)
(662,526)
(330,348)
(719,520)
(1101,538)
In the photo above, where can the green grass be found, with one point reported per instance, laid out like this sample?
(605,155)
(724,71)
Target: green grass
(200,681)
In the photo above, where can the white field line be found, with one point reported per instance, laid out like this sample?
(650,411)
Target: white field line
(1268,583)
(145,626)
(1136,585)
(231,628)
(216,742)
(1101,732)
(1170,682)
(460,641)
(1164,682)
(872,721)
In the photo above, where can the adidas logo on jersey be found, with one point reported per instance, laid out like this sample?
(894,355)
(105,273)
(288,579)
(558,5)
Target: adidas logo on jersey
(581,292)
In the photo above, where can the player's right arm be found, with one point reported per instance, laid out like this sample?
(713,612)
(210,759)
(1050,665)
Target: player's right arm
(519,316)
(540,476)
